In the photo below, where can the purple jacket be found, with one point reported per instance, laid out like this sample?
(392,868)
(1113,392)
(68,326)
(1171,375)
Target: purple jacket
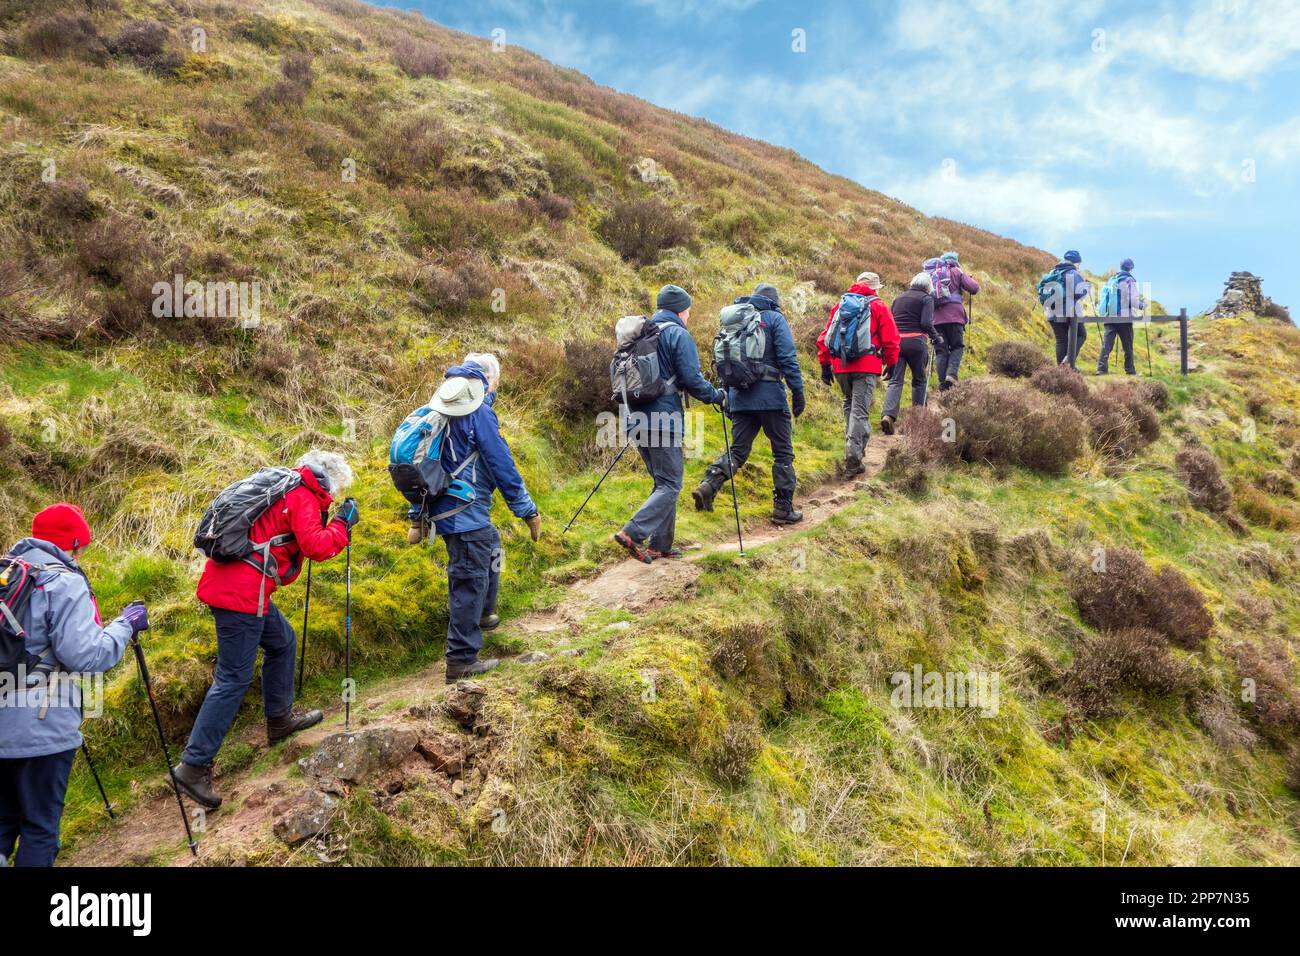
(954,310)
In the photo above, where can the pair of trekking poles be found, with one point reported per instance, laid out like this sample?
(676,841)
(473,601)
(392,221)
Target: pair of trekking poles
(347,637)
(731,472)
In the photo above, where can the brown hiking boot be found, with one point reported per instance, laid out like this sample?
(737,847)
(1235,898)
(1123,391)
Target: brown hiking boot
(196,783)
(457,672)
(280,728)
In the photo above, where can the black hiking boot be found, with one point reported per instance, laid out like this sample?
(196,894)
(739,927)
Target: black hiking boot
(783,513)
(853,466)
(489,622)
(286,725)
(196,783)
(704,494)
(457,672)
(623,540)
(948,383)
(887,425)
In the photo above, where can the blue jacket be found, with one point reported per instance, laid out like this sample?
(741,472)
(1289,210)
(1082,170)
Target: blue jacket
(780,355)
(679,357)
(493,469)
(61,627)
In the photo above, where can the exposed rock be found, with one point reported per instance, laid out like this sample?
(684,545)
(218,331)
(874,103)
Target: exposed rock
(532,657)
(1242,294)
(464,702)
(446,752)
(304,817)
(353,756)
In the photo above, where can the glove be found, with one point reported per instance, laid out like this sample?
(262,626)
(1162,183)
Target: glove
(720,399)
(348,513)
(534,523)
(889,372)
(797,403)
(137,615)
(827,375)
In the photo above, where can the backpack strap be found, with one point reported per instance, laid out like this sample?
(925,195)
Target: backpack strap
(268,567)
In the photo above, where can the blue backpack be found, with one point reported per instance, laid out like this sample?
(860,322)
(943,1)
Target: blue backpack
(849,337)
(416,464)
(1108,300)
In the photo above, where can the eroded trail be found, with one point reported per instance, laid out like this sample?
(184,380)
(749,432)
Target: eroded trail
(457,762)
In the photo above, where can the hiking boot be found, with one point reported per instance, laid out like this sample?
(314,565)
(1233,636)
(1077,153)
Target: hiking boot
(622,539)
(948,383)
(457,672)
(887,424)
(1103,371)
(783,513)
(704,494)
(853,466)
(673,552)
(280,728)
(489,622)
(196,783)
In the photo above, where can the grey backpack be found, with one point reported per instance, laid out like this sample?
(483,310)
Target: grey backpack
(741,346)
(635,374)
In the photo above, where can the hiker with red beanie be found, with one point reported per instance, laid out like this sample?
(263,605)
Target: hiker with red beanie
(50,637)
(859,374)
(293,528)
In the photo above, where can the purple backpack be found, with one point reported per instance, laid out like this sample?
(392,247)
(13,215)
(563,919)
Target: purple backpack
(946,286)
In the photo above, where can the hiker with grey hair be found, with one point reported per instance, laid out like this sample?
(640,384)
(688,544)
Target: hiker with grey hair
(293,527)
(476,451)
(914,316)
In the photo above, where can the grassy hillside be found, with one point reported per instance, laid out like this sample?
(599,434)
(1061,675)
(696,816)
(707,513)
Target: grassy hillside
(402,194)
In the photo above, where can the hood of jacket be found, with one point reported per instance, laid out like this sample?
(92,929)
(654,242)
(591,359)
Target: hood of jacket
(467,371)
(315,483)
(667,315)
(760,302)
(861,288)
(39,551)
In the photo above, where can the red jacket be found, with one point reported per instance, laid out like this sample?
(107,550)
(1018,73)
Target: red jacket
(235,585)
(884,336)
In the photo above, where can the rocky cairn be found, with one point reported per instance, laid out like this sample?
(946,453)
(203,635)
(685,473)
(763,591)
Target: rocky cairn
(1243,294)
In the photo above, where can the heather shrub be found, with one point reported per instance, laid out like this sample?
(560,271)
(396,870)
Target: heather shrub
(452,285)
(1275,709)
(1279,483)
(553,206)
(1003,423)
(419,58)
(1013,359)
(67,203)
(920,450)
(145,43)
(296,67)
(409,152)
(582,386)
(1128,659)
(1259,509)
(639,230)
(1120,422)
(1126,593)
(63,35)
(1199,471)
(1061,380)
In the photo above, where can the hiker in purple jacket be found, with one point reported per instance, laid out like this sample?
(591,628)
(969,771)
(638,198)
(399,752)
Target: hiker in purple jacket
(950,318)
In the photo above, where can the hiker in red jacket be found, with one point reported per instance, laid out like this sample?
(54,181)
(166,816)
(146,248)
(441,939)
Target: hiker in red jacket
(858,378)
(239,595)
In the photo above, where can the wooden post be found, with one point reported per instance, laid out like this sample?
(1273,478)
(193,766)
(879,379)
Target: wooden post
(1182,338)
(1072,340)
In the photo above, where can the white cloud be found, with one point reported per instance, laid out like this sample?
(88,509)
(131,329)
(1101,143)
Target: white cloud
(1228,40)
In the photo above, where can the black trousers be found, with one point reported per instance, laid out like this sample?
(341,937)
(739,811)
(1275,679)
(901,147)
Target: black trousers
(1124,332)
(950,348)
(1062,332)
(32,790)
(778,427)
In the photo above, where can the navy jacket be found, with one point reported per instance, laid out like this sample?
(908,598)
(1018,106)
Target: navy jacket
(494,469)
(1076,290)
(678,357)
(769,396)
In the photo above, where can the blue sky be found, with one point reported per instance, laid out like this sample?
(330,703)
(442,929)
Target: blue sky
(1168,132)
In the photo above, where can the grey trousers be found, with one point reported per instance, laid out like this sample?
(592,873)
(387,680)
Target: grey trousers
(859,388)
(656,520)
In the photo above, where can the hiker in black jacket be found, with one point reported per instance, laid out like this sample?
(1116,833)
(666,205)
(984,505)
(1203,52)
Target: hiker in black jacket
(914,316)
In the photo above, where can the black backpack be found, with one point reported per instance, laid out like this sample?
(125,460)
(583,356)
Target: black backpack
(17,582)
(225,531)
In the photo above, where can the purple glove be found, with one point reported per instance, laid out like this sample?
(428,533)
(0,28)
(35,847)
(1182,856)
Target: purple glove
(137,615)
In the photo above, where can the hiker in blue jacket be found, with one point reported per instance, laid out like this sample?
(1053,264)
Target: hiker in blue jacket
(1126,301)
(467,395)
(41,708)
(1064,302)
(762,406)
(657,428)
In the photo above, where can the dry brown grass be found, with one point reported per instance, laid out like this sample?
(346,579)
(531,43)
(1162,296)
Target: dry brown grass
(1126,593)
(1199,471)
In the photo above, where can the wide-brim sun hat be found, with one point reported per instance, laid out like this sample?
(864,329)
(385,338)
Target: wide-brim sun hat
(458,396)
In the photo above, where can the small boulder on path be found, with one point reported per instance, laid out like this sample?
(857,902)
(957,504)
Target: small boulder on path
(464,702)
(353,756)
(304,817)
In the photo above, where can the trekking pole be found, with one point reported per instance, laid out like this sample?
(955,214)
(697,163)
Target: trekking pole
(347,640)
(731,471)
(94,773)
(306,608)
(162,737)
(597,488)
